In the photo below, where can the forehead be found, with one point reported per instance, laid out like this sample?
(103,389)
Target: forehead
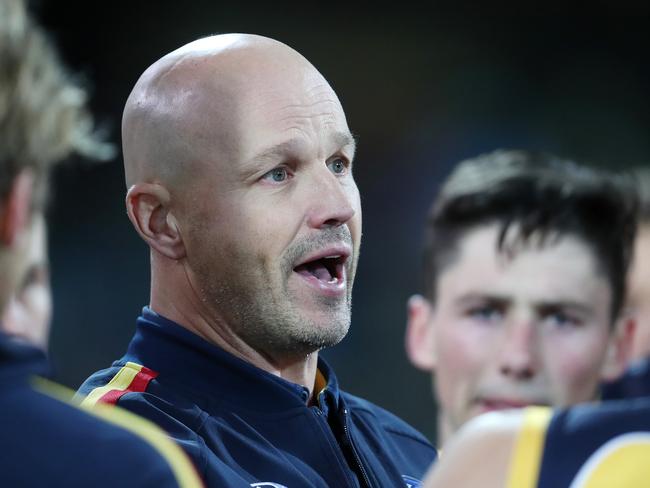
(303,114)
(560,269)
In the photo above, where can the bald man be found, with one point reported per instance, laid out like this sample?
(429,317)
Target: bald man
(238,162)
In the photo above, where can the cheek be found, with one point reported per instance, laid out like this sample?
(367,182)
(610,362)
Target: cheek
(574,362)
(462,354)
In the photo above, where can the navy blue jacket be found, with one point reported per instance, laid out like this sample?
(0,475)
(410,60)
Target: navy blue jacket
(245,427)
(47,442)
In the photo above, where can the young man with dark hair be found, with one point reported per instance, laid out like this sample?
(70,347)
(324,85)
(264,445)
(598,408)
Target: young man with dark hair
(525,264)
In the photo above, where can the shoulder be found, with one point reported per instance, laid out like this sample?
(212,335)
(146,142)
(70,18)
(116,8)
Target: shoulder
(141,391)
(511,441)
(101,449)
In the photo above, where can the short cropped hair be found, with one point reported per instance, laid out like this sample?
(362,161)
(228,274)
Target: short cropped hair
(534,194)
(43,115)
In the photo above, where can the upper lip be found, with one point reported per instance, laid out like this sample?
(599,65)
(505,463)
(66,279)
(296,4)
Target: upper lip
(339,251)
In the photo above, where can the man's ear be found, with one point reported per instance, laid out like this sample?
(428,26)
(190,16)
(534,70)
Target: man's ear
(15,210)
(619,350)
(148,207)
(419,333)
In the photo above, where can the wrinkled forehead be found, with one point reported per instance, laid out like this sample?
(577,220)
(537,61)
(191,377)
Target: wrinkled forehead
(258,108)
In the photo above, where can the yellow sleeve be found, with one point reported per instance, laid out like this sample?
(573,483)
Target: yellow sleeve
(526,458)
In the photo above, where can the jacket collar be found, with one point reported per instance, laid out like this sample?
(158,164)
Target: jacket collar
(185,358)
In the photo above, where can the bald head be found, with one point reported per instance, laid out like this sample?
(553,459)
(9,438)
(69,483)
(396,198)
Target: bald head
(190,106)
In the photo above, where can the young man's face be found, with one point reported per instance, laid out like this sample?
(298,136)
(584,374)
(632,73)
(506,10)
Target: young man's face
(506,332)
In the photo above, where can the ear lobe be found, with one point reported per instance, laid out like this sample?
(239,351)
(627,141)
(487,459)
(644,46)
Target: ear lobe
(17,207)
(619,349)
(419,333)
(148,207)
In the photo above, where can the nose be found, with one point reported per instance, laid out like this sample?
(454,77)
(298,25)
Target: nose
(334,200)
(518,358)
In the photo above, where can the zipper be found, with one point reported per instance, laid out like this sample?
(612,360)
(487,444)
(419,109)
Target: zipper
(335,445)
(348,438)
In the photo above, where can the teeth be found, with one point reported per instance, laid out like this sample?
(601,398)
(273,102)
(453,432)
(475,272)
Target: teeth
(334,256)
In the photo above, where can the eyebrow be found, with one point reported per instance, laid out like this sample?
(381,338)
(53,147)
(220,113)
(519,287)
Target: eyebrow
(485,297)
(538,305)
(560,304)
(340,140)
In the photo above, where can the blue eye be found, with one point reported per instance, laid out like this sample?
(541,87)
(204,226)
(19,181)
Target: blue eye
(277,175)
(561,320)
(485,313)
(337,166)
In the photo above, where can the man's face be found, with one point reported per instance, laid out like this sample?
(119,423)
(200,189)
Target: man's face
(505,332)
(638,302)
(274,224)
(28,313)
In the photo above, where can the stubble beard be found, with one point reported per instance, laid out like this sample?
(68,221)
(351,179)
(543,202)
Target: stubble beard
(261,310)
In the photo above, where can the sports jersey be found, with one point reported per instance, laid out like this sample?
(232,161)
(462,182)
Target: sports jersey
(634,383)
(243,426)
(587,446)
(47,442)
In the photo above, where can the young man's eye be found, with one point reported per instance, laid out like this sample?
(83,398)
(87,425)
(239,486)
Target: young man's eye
(485,313)
(277,175)
(337,166)
(561,320)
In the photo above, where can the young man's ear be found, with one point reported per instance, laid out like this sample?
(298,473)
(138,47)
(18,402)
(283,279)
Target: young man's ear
(619,350)
(148,207)
(16,208)
(419,333)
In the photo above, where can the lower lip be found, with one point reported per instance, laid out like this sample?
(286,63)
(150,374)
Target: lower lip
(495,405)
(333,289)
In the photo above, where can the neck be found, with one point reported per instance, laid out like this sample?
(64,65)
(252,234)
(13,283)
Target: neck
(181,304)
(445,429)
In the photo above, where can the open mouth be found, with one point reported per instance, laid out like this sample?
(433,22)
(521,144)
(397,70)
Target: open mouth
(329,269)
(324,271)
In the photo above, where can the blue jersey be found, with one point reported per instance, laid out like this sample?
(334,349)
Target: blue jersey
(246,427)
(45,441)
(587,446)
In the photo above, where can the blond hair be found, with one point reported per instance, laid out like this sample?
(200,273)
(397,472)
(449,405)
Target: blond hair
(43,115)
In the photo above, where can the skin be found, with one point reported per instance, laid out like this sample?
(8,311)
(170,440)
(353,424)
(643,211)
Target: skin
(638,302)
(491,436)
(238,161)
(15,234)
(532,328)
(29,311)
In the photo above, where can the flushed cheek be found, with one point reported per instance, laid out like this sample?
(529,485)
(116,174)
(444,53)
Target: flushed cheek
(576,376)
(461,360)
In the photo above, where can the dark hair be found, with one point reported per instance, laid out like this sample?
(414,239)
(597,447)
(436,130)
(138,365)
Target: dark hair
(542,195)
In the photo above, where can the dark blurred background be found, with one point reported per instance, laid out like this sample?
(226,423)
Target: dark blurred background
(422,88)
